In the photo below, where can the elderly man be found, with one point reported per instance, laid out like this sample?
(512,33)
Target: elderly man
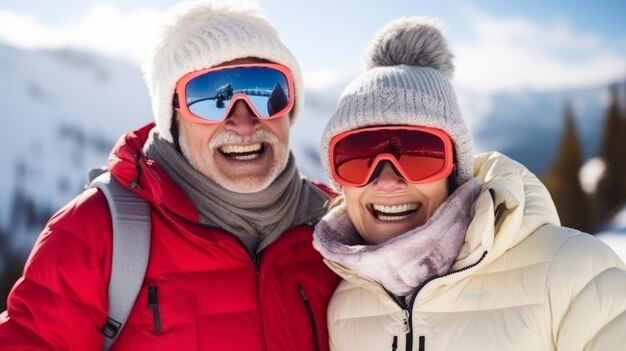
(231,265)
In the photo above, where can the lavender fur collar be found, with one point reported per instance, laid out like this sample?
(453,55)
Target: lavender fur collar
(405,262)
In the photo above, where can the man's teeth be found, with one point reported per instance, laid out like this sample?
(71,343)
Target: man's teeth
(242,152)
(239,149)
(395,212)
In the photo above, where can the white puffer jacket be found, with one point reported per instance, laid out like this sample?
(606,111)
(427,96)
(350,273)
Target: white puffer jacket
(520,282)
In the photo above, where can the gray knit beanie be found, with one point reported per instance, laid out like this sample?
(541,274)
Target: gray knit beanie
(407,82)
(205,33)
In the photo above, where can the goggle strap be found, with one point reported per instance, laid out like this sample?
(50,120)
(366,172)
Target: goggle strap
(175,102)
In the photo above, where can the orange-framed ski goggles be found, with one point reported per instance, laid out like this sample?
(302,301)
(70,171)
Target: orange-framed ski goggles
(418,154)
(207,96)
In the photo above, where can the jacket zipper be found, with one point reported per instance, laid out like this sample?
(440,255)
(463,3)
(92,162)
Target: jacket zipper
(309,310)
(255,258)
(409,309)
(153,304)
(408,321)
(257,263)
(466,268)
(135,182)
(409,335)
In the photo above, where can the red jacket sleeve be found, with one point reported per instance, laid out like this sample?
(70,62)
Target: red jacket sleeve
(60,301)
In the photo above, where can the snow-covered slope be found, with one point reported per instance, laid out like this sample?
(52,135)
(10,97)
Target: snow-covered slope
(61,112)
(615,233)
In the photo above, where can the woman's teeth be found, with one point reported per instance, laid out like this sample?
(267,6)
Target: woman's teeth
(394,212)
(395,208)
(242,152)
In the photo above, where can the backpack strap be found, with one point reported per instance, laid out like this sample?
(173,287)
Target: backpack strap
(130,216)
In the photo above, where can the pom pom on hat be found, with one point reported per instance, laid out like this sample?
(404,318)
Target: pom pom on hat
(416,41)
(407,82)
(205,33)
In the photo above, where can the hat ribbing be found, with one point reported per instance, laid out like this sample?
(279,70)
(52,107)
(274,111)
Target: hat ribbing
(203,34)
(407,83)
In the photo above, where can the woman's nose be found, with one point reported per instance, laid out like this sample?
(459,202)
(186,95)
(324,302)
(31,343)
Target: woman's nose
(388,179)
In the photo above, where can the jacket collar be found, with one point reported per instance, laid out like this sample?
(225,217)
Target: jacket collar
(143,176)
(514,204)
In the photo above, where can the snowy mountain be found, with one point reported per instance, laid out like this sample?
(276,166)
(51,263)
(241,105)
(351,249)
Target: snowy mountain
(526,126)
(63,110)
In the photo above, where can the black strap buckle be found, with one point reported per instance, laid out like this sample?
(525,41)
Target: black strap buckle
(111,327)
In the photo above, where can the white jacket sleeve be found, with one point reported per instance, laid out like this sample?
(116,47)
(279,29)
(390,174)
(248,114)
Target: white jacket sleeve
(587,291)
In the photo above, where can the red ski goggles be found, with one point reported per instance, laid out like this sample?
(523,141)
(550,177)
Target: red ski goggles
(419,154)
(207,96)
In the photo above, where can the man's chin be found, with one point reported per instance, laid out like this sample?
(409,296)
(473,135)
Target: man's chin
(244,184)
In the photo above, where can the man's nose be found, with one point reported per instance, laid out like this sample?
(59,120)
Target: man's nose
(388,180)
(241,120)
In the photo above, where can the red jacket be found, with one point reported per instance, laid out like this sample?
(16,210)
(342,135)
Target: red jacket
(211,294)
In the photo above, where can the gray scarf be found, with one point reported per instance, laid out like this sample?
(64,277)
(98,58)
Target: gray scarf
(404,262)
(257,219)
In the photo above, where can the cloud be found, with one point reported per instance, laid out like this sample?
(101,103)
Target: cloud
(327,78)
(507,54)
(104,29)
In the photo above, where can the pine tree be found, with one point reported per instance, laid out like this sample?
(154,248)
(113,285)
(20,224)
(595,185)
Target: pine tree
(622,138)
(610,192)
(563,182)
(12,264)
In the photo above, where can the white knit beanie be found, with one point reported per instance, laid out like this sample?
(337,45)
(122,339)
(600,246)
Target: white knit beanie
(407,82)
(206,33)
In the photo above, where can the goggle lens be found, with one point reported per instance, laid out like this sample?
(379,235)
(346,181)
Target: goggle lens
(418,155)
(266,89)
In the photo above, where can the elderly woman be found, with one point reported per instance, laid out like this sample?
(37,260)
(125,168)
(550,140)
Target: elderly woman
(440,249)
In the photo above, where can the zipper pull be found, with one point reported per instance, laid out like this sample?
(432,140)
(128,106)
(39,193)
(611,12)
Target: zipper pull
(405,320)
(153,304)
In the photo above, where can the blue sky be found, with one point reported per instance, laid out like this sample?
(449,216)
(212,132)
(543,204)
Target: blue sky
(499,45)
